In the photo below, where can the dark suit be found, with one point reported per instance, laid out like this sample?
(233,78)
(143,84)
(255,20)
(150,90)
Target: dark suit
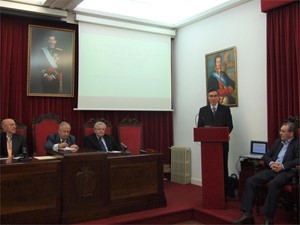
(18,141)
(276,179)
(92,142)
(222,118)
(53,139)
(56,54)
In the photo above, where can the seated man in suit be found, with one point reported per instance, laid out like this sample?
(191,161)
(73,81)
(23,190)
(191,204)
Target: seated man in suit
(101,141)
(11,143)
(283,156)
(62,139)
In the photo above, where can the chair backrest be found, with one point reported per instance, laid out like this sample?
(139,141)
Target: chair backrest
(88,127)
(130,132)
(46,124)
(21,129)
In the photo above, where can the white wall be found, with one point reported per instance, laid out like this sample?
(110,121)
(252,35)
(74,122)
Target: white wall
(243,26)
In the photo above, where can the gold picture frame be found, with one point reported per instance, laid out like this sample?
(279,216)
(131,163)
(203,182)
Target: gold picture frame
(221,75)
(51,61)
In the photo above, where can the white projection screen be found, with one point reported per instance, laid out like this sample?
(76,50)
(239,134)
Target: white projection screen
(124,70)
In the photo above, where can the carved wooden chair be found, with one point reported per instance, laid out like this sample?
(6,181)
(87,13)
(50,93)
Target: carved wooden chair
(21,129)
(130,134)
(46,124)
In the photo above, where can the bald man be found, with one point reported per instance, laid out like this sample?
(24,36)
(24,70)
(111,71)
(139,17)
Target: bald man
(11,140)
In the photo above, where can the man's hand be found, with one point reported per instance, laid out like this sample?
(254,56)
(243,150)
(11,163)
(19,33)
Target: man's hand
(48,77)
(75,147)
(276,167)
(63,145)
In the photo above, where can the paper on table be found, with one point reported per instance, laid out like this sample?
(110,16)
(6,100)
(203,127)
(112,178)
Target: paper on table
(68,149)
(113,151)
(17,157)
(44,157)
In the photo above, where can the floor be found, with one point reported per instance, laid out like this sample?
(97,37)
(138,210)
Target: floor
(190,222)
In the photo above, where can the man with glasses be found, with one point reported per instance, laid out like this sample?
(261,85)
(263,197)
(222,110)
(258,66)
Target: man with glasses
(101,141)
(279,161)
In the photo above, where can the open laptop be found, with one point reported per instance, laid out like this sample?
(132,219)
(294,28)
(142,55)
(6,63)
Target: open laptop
(257,150)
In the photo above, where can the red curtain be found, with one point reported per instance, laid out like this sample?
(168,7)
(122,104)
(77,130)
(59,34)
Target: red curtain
(158,126)
(267,5)
(283,66)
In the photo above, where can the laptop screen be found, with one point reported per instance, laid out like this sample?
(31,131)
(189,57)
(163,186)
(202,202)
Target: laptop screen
(259,147)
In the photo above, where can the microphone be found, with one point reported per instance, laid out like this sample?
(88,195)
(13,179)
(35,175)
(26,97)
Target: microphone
(196,119)
(124,146)
(25,156)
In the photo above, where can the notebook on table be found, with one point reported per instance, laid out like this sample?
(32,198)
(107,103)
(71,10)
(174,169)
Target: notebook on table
(257,150)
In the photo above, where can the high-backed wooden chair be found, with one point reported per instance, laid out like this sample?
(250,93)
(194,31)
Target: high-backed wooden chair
(46,124)
(130,133)
(88,127)
(21,129)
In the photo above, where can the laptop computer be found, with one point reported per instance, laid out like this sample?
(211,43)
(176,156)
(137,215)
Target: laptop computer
(257,150)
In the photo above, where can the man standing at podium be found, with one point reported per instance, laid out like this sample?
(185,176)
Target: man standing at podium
(216,115)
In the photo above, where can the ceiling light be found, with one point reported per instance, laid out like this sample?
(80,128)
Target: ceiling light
(165,11)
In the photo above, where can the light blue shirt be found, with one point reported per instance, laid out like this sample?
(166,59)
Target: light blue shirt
(283,151)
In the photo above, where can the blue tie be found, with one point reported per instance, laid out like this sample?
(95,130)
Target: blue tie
(103,147)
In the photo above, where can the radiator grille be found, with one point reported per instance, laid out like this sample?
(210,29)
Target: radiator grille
(181,165)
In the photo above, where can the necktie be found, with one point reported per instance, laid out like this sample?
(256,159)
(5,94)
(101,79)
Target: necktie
(214,110)
(9,147)
(102,144)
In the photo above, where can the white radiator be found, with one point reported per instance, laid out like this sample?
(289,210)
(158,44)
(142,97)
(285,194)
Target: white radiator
(181,165)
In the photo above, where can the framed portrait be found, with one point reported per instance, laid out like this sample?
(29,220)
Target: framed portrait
(51,61)
(221,75)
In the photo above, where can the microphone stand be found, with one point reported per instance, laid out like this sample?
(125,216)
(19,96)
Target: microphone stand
(25,157)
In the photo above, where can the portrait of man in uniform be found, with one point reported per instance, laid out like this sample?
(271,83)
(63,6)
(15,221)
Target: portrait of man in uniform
(51,62)
(221,74)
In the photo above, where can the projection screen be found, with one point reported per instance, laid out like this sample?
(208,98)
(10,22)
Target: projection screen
(122,69)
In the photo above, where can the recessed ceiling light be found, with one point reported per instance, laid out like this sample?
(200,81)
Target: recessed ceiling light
(165,11)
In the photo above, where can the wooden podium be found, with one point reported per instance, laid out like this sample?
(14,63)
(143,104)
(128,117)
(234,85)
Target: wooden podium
(212,139)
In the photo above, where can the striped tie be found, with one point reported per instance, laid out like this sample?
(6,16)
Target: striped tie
(214,110)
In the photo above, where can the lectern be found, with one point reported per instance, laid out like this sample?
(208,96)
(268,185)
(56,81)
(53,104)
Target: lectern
(212,139)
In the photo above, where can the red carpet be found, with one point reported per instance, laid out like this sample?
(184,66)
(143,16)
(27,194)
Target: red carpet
(184,202)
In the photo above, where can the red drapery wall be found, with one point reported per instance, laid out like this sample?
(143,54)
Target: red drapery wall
(267,5)
(283,66)
(158,126)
